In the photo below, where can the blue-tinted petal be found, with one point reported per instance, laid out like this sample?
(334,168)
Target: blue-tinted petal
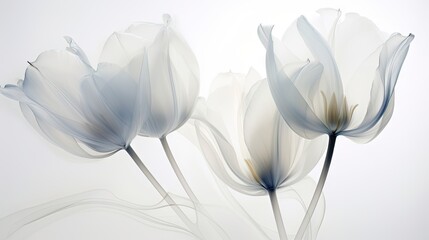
(290,103)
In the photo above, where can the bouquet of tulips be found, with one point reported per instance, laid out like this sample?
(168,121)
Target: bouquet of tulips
(327,77)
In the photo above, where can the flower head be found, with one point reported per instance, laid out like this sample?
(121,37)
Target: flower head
(261,153)
(168,70)
(335,76)
(88,112)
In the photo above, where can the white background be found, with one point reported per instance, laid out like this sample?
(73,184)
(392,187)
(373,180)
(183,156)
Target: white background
(379,190)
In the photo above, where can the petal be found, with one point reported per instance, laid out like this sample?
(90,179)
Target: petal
(52,93)
(110,95)
(219,152)
(303,154)
(391,59)
(173,84)
(370,134)
(227,97)
(277,152)
(356,39)
(222,159)
(49,125)
(291,104)
(185,76)
(42,122)
(53,81)
(14,92)
(261,135)
(358,44)
(75,49)
(330,82)
(360,86)
(122,47)
(326,24)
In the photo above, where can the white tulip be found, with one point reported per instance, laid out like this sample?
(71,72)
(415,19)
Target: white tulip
(334,77)
(264,154)
(88,112)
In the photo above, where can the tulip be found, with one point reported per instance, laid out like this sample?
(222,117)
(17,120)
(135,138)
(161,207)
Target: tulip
(334,77)
(264,154)
(87,112)
(169,74)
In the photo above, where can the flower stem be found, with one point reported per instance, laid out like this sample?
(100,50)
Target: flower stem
(192,227)
(277,215)
(177,171)
(319,188)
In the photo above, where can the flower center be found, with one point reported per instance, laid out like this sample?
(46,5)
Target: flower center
(337,116)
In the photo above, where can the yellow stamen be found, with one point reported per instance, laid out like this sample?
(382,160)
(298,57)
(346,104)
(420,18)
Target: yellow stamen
(336,118)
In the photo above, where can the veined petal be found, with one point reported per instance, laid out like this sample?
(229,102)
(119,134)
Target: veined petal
(291,104)
(325,21)
(260,135)
(304,154)
(185,77)
(279,155)
(326,24)
(86,119)
(356,39)
(174,84)
(219,152)
(122,47)
(222,159)
(111,96)
(392,57)
(53,81)
(358,44)
(370,134)
(330,82)
(227,97)
(46,125)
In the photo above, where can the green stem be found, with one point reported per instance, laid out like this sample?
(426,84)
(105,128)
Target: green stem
(177,171)
(277,215)
(192,227)
(319,188)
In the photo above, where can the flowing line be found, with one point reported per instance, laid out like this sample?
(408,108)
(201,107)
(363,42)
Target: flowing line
(319,188)
(277,215)
(187,188)
(192,227)
(177,171)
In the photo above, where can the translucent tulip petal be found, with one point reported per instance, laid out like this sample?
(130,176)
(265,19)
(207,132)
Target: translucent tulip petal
(391,59)
(75,49)
(279,156)
(88,113)
(122,47)
(53,81)
(227,94)
(173,84)
(222,159)
(351,90)
(292,105)
(330,82)
(111,96)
